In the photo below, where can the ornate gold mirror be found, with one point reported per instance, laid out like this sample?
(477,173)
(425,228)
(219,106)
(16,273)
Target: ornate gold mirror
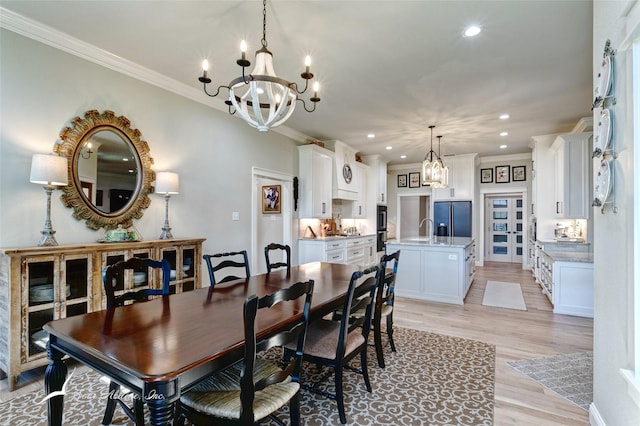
(109,170)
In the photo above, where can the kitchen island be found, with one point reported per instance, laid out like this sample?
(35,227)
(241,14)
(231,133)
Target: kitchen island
(439,269)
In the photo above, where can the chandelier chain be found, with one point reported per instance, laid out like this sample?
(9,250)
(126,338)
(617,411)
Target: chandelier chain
(264,23)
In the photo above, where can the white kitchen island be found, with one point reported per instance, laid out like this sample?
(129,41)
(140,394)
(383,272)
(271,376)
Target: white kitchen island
(438,269)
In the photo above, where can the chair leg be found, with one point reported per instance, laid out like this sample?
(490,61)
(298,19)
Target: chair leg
(365,370)
(390,331)
(138,410)
(377,337)
(294,409)
(178,416)
(111,403)
(339,394)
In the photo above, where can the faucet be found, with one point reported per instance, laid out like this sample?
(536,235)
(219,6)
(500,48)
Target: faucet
(426,219)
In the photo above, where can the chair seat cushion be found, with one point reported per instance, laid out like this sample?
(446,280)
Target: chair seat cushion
(219,395)
(322,339)
(386,310)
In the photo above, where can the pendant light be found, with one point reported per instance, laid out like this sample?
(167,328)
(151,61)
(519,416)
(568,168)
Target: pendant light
(261,98)
(431,172)
(444,170)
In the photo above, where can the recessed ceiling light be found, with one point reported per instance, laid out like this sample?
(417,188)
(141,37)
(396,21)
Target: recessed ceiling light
(504,133)
(389,148)
(503,146)
(371,136)
(403,156)
(472,31)
(504,116)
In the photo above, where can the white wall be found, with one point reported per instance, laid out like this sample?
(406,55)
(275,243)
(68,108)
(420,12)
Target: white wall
(44,88)
(613,238)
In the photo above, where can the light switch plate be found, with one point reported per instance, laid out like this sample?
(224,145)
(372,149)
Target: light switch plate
(235,215)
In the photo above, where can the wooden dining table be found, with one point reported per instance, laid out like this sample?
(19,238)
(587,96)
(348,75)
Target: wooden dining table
(161,348)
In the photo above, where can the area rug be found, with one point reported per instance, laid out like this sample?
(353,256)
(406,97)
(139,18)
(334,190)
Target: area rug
(431,380)
(504,295)
(570,376)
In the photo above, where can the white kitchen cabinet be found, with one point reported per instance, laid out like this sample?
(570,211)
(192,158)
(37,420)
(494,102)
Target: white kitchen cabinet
(573,288)
(316,167)
(462,178)
(470,265)
(377,178)
(358,207)
(572,159)
(348,250)
(543,180)
(346,177)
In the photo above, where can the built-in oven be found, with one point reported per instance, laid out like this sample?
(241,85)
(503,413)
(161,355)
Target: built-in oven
(381,240)
(382,218)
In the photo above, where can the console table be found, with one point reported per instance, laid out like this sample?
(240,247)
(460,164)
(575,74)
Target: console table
(40,284)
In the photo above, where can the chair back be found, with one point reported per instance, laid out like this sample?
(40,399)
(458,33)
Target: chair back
(360,295)
(227,266)
(297,329)
(286,256)
(386,291)
(113,278)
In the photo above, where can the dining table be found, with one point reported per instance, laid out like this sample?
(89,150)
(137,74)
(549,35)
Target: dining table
(161,348)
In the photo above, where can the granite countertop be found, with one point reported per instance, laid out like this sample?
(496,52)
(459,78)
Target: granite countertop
(434,241)
(337,237)
(570,256)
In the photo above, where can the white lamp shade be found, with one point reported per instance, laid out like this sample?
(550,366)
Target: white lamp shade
(167,183)
(47,169)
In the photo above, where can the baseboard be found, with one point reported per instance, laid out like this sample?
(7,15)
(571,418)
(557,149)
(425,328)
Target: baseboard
(594,416)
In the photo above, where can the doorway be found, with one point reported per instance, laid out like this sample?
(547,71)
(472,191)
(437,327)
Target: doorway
(504,225)
(412,209)
(270,227)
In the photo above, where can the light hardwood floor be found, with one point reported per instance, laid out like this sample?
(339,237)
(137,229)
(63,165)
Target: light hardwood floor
(517,335)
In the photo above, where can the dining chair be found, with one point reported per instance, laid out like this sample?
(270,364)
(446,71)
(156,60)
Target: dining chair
(113,278)
(336,343)
(228,265)
(253,388)
(384,304)
(286,256)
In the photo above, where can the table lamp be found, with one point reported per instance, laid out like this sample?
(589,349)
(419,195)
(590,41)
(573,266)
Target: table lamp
(167,184)
(50,171)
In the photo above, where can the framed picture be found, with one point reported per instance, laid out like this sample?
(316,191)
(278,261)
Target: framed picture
(519,173)
(402,181)
(486,175)
(414,180)
(271,199)
(502,174)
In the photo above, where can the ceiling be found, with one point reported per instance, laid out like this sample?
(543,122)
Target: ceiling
(391,68)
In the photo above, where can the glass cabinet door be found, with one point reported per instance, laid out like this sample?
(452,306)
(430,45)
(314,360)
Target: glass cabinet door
(38,291)
(76,279)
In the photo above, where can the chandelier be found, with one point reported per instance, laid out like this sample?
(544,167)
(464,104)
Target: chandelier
(261,98)
(431,166)
(444,170)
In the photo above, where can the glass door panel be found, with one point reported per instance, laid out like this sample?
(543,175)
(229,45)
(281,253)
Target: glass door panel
(504,216)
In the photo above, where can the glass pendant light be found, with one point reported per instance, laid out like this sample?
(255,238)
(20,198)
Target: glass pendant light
(444,170)
(431,171)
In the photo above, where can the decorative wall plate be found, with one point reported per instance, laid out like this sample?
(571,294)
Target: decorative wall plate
(603,133)
(602,186)
(603,78)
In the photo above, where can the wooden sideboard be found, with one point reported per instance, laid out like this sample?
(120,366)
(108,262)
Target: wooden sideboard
(40,284)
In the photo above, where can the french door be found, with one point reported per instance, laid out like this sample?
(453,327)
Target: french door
(504,224)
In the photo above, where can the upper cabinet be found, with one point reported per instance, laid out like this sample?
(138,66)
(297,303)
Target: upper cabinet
(346,177)
(378,177)
(316,166)
(572,159)
(359,205)
(462,172)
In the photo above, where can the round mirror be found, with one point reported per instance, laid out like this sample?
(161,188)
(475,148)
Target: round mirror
(109,170)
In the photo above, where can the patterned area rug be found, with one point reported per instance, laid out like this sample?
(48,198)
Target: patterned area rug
(431,380)
(570,376)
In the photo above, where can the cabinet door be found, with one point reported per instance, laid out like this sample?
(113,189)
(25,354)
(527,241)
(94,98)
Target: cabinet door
(382,183)
(461,179)
(359,205)
(76,272)
(40,301)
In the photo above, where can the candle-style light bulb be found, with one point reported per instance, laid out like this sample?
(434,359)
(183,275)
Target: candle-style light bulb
(316,87)
(243,48)
(307,62)
(205,65)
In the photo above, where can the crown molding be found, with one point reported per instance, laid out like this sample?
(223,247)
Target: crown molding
(44,34)
(506,157)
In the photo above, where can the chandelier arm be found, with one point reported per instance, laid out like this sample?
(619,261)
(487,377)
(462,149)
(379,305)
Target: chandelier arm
(204,85)
(294,86)
(304,105)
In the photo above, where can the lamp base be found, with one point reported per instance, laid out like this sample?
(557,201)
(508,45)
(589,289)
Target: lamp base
(47,238)
(166,234)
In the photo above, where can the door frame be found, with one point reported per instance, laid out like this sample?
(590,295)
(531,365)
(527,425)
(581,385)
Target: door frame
(286,182)
(420,193)
(511,242)
(492,192)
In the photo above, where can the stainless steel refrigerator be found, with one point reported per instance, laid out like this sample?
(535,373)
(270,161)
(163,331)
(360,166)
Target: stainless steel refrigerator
(452,218)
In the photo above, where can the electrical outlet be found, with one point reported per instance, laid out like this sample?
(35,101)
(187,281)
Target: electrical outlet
(235,215)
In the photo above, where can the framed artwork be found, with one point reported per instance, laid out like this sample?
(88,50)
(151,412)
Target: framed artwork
(502,174)
(414,180)
(271,199)
(486,175)
(519,173)
(402,181)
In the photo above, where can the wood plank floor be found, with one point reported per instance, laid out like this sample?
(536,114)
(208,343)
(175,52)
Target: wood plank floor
(517,335)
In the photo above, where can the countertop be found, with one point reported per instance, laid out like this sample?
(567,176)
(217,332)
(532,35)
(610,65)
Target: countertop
(461,242)
(337,237)
(570,256)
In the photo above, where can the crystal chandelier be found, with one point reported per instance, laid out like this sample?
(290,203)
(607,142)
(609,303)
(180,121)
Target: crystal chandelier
(444,170)
(431,168)
(261,98)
